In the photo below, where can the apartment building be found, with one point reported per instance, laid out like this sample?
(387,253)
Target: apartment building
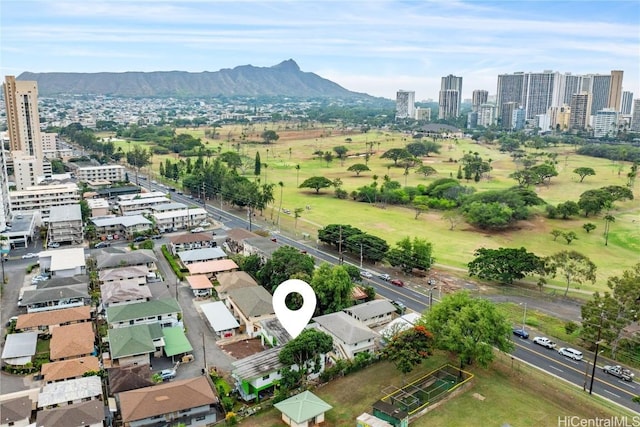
(179,219)
(605,123)
(405,104)
(111,173)
(42,198)
(141,203)
(65,225)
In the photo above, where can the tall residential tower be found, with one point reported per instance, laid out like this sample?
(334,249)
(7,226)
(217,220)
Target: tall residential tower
(450,97)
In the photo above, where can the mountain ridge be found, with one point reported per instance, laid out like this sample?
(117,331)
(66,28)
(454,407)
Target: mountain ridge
(283,79)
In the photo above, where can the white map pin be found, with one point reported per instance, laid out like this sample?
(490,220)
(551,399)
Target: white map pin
(294,321)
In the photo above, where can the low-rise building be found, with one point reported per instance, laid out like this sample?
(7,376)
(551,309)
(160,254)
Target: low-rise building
(163,311)
(45,322)
(118,257)
(200,285)
(123,292)
(191,401)
(42,197)
(212,268)
(250,305)
(350,336)
(372,313)
(65,225)
(232,280)
(189,241)
(72,341)
(84,414)
(125,226)
(131,274)
(55,298)
(179,219)
(63,262)
(201,255)
(111,173)
(19,349)
(303,410)
(125,378)
(16,412)
(99,207)
(64,393)
(140,203)
(263,247)
(235,239)
(69,369)
(220,319)
(134,345)
(256,373)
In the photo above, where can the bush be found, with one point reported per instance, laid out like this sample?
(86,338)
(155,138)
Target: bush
(570,327)
(227,403)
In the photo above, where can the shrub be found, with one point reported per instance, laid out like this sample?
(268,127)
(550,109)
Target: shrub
(570,327)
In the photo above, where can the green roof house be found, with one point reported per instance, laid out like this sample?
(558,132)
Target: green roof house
(162,311)
(303,410)
(132,345)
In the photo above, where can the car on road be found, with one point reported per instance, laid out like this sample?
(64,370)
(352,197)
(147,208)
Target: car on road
(102,245)
(140,239)
(167,374)
(618,371)
(384,276)
(520,332)
(53,245)
(401,308)
(156,236)
(544,341)
(197,230)
(571,353)
(29,255)
(365,273)
(397,282)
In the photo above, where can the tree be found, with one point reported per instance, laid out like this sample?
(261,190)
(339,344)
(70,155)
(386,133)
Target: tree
(305,352)
(454,217)
(285,263)
(584,172)
(333,288)
(396,154)
(333,233)
(327,157)
(556,233)
(608,219)
(341,152)
(411,254)
(567,209)
(589,227)
(572,266)
(426,171)
(492,215)
(358,167)
(419,208)
(469,327)
(570,236)
(409,348)
(258,165)
(269,136)
(281,185)
(317,183)
(297,213)
(372,248)
(504,265)
(544,172)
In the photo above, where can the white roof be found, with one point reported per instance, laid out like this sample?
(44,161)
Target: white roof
(144,201)
(65,259)
(400,324)
(175,214)
(125,221)
(97,203)
(65,213)
(20,345)
(168,206)
(219,316)
(100,167)
(151,194)
(203,254)
(70,390)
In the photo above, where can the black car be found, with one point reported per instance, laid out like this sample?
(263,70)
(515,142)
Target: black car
(156,236)
(520,332)
(140,239)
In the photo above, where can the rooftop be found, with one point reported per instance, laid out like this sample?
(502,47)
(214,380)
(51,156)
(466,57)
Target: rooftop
(257,365)
(80,414)
(234,280)
(125,221)
(215,266)
(130,341)
(14,410)
(303,407)
(345,327)
(72,340)
(65,259)
(72,368)
(126,312)
(371,309)
(204,254)
(54,294)
(252,301)
(70,390)
(117,257)
(199,281)
(114,292)
(20,345)
(53,317)
(219,316)
(65,213)
(190,238)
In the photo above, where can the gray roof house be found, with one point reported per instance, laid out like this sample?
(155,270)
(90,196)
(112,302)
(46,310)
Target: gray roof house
(75,391)
(251,305)
(372,313)
(257,372)
(16,412)
(116,257)
(261,246)
(201,255)
(124,292)
(86,414)
(55,298)
(350,336)
(19,349)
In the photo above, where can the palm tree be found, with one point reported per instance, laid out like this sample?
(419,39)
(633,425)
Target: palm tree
(608,219)
(297,213)
(281,185)
(297,175)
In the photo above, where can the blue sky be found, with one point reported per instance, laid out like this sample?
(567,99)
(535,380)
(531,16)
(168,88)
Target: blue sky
(371,46)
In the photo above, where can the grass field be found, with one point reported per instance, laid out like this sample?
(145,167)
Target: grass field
(454,248)
(515,395)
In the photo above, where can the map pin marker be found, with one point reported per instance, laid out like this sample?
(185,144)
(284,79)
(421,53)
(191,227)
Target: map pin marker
(294,321)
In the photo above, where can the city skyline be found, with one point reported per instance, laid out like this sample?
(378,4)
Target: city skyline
(373,47)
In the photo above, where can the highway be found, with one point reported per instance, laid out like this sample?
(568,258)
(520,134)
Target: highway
(547,360)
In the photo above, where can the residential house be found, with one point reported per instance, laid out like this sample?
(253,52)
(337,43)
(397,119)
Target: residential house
(16,412)
(235,239)
(250,305)
(176,342)
(118,257)
(124,292)
(69,369)
(99,207)
(256,373)
(179,219)
(163,311)
(71,391)
(55,298)
(233,280)
(372,313)
(122,226)
(133,345)
(272,333)
(188,241)
(201,255)
(70,341)
(45,322)
(220,319)
(19,349)
(56,282)
(136,274)
(191,402)
(125,378)
(303,410)
(263,247)
(65,225)
(200,285)
(212,268)
(398,325)
(63,262)
(350,336)
(84,414)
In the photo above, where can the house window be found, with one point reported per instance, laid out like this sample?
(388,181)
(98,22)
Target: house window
(200,418)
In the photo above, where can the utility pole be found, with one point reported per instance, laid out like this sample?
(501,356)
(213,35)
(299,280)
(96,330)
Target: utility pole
(595,356)
(360,253)
(204,197)
(340,246)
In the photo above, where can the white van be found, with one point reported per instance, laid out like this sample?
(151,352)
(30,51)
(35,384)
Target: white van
(571,353)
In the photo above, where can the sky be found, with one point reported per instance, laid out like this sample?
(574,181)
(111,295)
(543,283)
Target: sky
(371,46)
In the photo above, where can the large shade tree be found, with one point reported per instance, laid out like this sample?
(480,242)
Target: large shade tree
(572,266)
(504,265)
(285,263)
(317,183)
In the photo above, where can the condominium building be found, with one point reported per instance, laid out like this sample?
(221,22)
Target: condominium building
(605,123)
(510,89)
(423,114)
(65,225)
(559,117)
(5,205)
(173,220)
(541,91)
(487,115)
(627,102)
(580,110)
(405,104)
(141,204)
(41,198)
(111,173)
(507,116)
(518,118)
(450,97)
(479,97)
(599,88)
(635,118)
(49,141)
(615,90)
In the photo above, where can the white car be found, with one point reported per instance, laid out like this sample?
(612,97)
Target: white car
(365,273)
(205,224)
(571,353)
(197,230)
(53,245)
(544,341)
(29,255)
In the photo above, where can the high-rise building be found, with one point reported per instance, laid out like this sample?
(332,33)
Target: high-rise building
(518,119)
(506,114)
(635,118)
(5,207)
(487,115)
(572,85)
(615,90)
(405,104)
(580,110)
(423,114)
(541,91)
(450,97)
(605,123)
(599,88)
(559,117)
(510,88)
(479,97)
(627,102)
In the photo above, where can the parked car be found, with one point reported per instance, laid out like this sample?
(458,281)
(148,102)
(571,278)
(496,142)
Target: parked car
(397,282)
(365,273)
(401,308)
(618,371)
(140,239)
(156,236)
(53,245)
(520,332)
(29,255)
(102,245)
(167,374)
(384,276)
(571,353)
(544,341)
(205,224)
(197,230)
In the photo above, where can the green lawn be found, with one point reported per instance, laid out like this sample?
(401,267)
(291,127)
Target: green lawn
(517,395)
